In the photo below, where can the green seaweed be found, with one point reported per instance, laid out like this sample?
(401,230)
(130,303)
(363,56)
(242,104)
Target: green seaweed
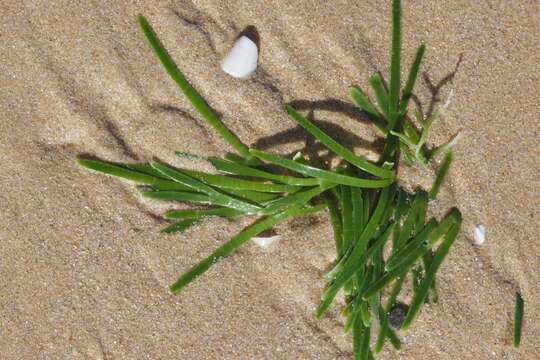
(229,247)
(518,320)
(190,93)
(365,204)
(441,174)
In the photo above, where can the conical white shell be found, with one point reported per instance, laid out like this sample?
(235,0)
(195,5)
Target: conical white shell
(241,61)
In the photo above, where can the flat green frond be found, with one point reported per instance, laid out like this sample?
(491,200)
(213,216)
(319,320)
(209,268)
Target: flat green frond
(419,202)
(144,168)
(233,168)
(385,331)
(345,153)
(404,139)
(436,262)
(349,265)
(136,176)
(297,199)
(182,196)
(445,147)
(335,219)
(325,175)
(410,132)
(198,214)
(518,320)
(347,218)
(400,255)
(411,80)
(380,94)
(225,182)
(218,198)
(191,94)
(440,175)
(251,196)
(395,66)
(394,340)
(362,102)
(230,246)
(179,226)
(359,221)
(403,265)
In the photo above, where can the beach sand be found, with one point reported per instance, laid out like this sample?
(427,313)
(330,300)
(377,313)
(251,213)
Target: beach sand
(84,271)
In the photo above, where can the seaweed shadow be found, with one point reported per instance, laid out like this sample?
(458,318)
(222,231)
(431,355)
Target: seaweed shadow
(313,148)
(317,152)
(435,89)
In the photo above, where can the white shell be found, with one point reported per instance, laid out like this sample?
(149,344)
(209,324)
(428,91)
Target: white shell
(449,100)
(241,61)
(265,242)
(479,235)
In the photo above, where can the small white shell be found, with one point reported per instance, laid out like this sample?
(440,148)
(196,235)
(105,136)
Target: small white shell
(241,61)
(449,100)
(265,242)
(479,235)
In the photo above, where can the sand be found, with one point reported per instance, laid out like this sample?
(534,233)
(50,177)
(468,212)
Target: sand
(84,272)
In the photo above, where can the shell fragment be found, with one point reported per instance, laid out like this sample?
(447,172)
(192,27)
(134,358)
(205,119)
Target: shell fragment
(241,61)
(479,234)
(266,241)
